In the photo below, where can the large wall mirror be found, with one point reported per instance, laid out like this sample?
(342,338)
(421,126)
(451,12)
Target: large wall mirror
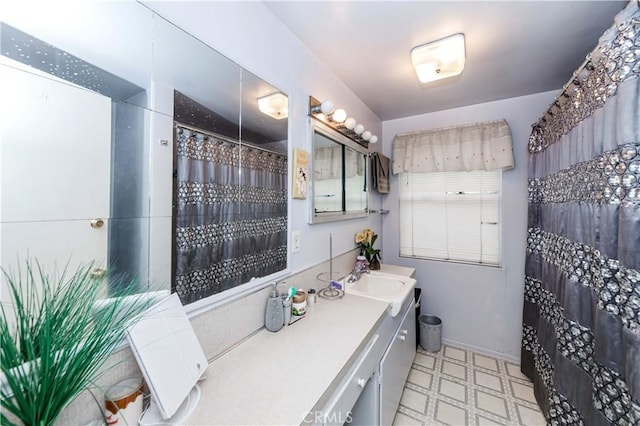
(339,166)
(127,142)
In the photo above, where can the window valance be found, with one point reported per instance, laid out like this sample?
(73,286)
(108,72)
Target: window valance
(477,146)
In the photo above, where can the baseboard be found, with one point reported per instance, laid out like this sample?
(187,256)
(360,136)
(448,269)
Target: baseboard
(495,354)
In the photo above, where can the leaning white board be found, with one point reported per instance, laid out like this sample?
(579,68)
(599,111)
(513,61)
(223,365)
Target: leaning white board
(168,353)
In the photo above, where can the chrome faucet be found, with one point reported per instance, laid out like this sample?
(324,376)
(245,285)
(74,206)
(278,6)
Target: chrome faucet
(357,271)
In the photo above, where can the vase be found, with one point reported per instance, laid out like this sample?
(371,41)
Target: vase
(374,265)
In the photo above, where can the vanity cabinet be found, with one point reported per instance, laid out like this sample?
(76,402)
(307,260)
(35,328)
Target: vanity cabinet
(394,352)
(395,366)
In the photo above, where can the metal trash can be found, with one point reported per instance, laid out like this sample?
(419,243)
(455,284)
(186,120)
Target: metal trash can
(430,333)
(417,293)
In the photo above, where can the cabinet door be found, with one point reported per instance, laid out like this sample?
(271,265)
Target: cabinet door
(395,366)
(55,155)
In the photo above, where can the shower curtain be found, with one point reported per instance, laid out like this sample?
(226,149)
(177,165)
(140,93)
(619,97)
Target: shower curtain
(581,318)
(230,214)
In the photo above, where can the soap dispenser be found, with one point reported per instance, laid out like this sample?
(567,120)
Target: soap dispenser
(274,314)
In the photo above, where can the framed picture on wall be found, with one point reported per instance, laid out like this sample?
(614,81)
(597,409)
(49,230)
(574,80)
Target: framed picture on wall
(300,173)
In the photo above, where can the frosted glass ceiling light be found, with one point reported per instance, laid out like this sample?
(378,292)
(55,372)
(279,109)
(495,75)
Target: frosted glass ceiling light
(275,105)
(358,129)
(366,135)
(440,59)
(373,139)
(339,115)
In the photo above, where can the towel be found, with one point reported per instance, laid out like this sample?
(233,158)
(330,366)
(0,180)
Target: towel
(380,173)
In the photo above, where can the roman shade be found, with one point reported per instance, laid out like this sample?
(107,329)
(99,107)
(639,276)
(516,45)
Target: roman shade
(477,146)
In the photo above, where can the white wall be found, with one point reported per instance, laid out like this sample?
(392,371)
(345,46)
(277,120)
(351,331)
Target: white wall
(480,307)
(247,33)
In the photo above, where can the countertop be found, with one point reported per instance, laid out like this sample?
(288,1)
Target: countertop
(279,378)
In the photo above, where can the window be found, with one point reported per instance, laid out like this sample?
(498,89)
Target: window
(453,216)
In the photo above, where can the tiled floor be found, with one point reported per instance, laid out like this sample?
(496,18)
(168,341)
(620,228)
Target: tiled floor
(460,387)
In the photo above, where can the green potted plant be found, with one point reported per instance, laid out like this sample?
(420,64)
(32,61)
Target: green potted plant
(365,240)
(54,342)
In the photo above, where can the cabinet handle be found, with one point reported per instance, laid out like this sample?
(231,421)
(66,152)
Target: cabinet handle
(361,382)
(403,338)
(98,273)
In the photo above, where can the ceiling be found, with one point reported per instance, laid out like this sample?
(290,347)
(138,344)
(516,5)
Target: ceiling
(513,48)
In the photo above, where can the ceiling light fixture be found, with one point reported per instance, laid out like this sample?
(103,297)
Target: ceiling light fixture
(337,118)
(440,59)
(275,105)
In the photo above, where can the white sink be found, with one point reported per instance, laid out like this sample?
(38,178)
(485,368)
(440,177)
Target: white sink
(382,286)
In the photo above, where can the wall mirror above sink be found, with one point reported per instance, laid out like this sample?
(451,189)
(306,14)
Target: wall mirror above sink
(111,119)
(339,175)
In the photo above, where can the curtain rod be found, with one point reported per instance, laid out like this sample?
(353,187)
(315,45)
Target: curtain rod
(226,138)
(587,63)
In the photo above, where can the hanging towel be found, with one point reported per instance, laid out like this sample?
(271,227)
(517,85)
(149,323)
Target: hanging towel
(380,173)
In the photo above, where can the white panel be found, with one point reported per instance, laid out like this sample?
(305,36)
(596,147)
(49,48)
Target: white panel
(55,245)
(161,164)
(160,233)
(168,353)
(396,364)
(55,156)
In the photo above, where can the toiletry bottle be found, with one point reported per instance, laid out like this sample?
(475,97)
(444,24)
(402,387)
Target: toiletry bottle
(286,306)
(274,315)
(299,305)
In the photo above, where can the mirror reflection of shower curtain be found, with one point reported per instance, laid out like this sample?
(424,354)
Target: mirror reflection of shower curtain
(230,214)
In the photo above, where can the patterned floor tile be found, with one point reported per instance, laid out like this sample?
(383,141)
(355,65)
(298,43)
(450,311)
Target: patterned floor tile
(529,417)
(513,370)
(488,381)
(450,414)
(452,390)
(455,370)
(420,378)
(492,404)
(459,387)
(426,361)
(521,391)
(484,421)
(485,362)
(414,400)
(402,420)
(455,353)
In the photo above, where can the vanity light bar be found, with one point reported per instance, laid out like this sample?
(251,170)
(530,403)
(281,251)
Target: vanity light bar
(337,119)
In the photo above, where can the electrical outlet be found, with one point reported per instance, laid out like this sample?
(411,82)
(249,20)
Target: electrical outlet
(295,241)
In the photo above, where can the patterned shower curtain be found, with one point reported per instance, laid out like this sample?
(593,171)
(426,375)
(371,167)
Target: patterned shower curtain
(230,214)
(581,320)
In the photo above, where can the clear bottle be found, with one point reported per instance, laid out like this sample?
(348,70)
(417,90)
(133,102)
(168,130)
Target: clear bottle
(274,314)
(286,306)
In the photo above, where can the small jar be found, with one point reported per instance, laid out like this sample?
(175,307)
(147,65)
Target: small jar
(361,263)
(299,305)
(311,297)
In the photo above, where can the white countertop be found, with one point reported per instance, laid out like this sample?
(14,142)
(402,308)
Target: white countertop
(278,378)
(397,270)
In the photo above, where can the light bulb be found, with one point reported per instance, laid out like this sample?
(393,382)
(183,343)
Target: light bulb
(350,123)
(339,115)
(358,129)
(326,107)
(366,135)
(373,139)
